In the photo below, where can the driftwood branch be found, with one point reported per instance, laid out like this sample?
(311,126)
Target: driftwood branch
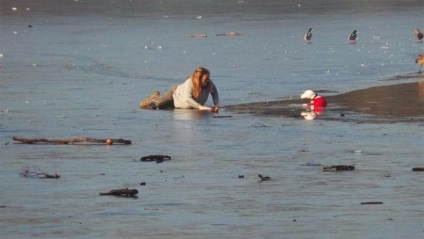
(37,173)
(338,168)
(125,192)
(71,141)
(156,158)
(367,203)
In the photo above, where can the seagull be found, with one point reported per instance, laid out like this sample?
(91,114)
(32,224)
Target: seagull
(308,36)
(420,62)
(352,37)
(419,35)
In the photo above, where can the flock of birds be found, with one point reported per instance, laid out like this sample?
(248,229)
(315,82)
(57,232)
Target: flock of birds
(353,36)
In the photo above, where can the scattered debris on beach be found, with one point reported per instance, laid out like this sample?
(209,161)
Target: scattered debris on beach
(107,141)
(338,168)
(155,158)
(37,173)
(125,192)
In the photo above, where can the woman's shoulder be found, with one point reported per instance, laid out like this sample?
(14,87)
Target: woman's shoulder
(188,81)
(187,84)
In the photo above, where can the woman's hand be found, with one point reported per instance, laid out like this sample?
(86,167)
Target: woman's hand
(206,108)
(215,109)
(211,109)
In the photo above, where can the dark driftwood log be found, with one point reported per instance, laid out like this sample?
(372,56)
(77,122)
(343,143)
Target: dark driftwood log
(366,203)
(418,169)
(122,192)
(338,168)
(70,141)
(156,158)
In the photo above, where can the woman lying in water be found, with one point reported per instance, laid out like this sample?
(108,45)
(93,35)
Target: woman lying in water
(192,94)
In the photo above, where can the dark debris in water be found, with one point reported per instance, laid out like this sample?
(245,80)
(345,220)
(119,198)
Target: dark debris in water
(263,178)
(125,192)
(338,168)
(370,203)
(37,173)
(155,158)
(418,169)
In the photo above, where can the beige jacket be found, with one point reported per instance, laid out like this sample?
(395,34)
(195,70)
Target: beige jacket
(183,95)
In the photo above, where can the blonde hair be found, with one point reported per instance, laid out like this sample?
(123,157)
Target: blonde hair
(196,79)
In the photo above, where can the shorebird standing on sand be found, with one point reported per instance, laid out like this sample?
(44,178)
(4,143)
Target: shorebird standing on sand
(420,62)
(352,37)
(419,35)
(308,36)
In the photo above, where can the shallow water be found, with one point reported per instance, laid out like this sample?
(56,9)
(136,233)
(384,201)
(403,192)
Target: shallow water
(81,72)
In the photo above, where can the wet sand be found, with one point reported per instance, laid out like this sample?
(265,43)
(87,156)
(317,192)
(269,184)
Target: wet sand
(389,103)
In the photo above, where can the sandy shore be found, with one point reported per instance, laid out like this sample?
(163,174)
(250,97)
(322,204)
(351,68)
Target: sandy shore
(389,103)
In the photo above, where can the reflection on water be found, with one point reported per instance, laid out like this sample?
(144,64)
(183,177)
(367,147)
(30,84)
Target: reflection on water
(190,114)
(311,112)
(308,115)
